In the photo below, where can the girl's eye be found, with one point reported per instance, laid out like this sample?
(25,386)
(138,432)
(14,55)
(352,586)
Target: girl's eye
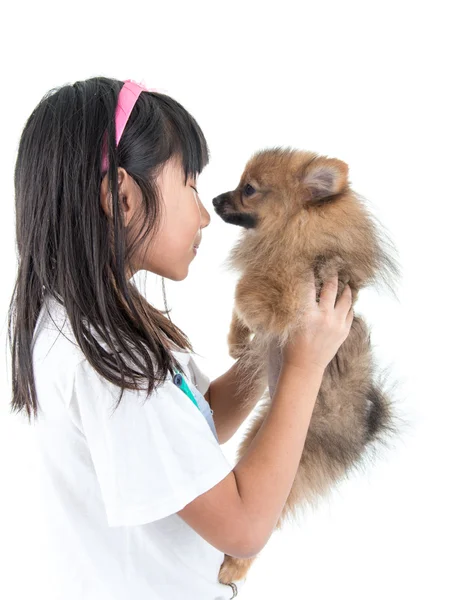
(249,190)
(194,188)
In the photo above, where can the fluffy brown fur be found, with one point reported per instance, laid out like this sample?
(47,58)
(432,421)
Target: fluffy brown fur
(299,213)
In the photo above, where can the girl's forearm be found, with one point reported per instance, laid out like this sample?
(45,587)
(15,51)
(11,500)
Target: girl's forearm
(229,410)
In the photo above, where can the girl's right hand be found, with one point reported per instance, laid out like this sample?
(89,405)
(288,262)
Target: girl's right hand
(327,326)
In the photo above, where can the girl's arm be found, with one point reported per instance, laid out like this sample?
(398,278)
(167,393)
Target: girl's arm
(238,515)
(229,411)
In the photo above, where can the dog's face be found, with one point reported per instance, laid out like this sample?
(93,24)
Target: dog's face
(280,182)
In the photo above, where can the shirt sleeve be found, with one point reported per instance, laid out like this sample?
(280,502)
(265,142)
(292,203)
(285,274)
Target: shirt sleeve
(199,377)
(152,456)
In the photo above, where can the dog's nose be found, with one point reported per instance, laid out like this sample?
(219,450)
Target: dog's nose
(219,200)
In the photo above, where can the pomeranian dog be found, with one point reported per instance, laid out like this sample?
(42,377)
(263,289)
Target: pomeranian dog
(298,214)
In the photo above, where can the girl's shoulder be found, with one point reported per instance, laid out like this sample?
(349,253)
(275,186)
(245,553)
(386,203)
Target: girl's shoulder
(56,349)
(54,343)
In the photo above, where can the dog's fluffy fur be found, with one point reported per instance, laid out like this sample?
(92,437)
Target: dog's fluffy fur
(298,214)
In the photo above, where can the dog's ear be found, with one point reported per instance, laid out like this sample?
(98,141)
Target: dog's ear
(325,177)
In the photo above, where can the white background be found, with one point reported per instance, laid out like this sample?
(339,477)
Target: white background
(363,82)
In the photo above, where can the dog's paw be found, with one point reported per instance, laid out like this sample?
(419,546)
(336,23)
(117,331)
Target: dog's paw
(237,345)
(236,351)
(234,569)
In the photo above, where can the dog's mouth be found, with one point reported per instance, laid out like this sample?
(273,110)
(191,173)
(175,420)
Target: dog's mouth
(229,214)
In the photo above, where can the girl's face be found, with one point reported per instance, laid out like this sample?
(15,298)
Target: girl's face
(183,218)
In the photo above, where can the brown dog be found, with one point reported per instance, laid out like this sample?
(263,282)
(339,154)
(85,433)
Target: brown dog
(299,213)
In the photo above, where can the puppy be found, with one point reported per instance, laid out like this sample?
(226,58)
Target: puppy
(298,214)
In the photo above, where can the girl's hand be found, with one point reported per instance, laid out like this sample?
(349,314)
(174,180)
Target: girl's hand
(327,325)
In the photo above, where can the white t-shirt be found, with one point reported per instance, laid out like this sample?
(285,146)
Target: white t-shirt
(112,482)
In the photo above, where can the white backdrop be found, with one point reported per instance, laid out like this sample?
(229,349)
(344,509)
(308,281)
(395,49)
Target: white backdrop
(363,82)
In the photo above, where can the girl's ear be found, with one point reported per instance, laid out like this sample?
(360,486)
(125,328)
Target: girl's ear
(128,192)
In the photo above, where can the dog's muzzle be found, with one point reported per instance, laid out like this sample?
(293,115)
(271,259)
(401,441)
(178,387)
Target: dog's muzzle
(219,201)
(226,211)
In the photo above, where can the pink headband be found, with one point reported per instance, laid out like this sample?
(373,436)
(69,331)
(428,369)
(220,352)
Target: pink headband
(127,98)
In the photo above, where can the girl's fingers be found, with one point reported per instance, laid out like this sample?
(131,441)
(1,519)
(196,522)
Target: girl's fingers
(329,291)
(345,301)
(311,286)
(349,317)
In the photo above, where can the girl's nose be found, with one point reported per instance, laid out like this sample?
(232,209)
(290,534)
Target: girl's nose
(206,217)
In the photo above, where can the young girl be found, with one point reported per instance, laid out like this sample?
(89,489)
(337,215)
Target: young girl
(105,184)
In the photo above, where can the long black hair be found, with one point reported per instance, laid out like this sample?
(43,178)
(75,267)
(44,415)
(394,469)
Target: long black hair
(68,248)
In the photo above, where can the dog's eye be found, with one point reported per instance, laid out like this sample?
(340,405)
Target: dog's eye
(249,190)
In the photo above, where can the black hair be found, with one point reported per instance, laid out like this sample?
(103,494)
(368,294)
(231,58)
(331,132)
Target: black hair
(69,249)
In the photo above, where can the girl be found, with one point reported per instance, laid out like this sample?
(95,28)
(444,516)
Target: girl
(141,502)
